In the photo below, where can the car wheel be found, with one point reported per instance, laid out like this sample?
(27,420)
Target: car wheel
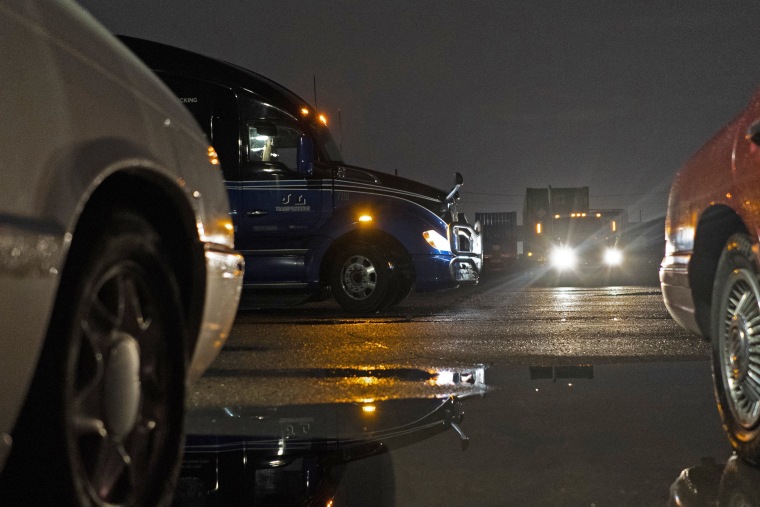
(361,279)
(103,422)
(736,345)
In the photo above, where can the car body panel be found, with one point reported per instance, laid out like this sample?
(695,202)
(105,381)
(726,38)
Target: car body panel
(718,188)
(78,107)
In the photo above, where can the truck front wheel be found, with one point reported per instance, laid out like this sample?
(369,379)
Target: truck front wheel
(361,279)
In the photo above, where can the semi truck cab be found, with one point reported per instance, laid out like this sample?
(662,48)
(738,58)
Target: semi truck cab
(308,224)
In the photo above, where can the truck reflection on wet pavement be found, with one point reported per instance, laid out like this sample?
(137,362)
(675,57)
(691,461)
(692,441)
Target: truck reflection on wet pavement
(538,435)
(298,454)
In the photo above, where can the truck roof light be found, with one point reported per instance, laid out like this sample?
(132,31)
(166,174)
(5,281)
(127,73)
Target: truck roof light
(304,111)
(323,119)
(365,218)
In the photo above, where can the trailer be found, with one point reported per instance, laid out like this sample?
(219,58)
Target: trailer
(499,236)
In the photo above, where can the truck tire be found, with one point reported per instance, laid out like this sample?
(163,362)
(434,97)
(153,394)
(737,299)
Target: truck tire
(404,286)
(362,279)
(102,424)
(736,345)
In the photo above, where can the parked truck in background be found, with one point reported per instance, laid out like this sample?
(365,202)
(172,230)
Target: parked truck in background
(587,246)
(499,239)
(570,241)
(308,224)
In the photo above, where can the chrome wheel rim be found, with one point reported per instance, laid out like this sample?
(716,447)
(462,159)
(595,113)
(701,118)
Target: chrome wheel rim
(739,347)
(359,277)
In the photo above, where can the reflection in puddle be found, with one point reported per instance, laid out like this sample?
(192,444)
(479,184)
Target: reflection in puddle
(562,372)
(547,434)
(299,454)
(299,386)
(735,484)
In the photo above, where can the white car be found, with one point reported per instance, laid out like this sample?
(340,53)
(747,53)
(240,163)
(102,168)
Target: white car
(118,278)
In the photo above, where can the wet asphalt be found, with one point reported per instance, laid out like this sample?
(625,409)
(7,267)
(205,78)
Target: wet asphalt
(569,395)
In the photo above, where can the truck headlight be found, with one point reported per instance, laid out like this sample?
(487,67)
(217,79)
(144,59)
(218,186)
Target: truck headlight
(562,258)
(613,257)
(437,241)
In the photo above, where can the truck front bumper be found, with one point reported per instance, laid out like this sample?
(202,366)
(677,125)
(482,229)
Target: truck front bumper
(465,269)
(224,279)
(438,272)
(448,270)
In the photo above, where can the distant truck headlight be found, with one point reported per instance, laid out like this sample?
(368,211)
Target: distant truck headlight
(437,241)
(613,257)
(562,258)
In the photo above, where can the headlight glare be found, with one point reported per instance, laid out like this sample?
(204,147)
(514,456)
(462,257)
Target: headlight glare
(562,258)
(435,240)
(613,257)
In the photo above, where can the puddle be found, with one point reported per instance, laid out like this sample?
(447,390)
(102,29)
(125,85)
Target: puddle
(544,434)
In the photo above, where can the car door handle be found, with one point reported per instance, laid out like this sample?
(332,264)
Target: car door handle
(256,213)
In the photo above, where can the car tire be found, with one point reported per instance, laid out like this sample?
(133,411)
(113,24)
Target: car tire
(735,359)
(103,423)
(362,279)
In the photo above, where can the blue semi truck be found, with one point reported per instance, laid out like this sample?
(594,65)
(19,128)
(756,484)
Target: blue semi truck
(308,224)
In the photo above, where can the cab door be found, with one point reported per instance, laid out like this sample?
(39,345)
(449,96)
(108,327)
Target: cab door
(281,209)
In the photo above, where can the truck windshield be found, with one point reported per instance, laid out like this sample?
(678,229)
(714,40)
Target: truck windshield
(254,109)
(331,147)
(577,230)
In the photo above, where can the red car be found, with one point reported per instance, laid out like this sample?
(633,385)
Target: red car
(709,274)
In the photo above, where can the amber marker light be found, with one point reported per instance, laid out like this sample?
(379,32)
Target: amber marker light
(369,409)
(365,218)
(323,119)
(304,111)
(212,155)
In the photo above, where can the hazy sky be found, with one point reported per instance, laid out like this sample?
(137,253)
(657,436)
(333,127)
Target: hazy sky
(513,94)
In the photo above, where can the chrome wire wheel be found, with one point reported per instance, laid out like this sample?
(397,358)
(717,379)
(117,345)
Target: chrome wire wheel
(739,347)
(359,277)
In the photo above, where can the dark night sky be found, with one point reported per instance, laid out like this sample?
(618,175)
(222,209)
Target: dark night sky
(513,94)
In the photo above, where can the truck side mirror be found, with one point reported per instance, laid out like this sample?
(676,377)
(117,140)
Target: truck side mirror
(305,155)
(459,178)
